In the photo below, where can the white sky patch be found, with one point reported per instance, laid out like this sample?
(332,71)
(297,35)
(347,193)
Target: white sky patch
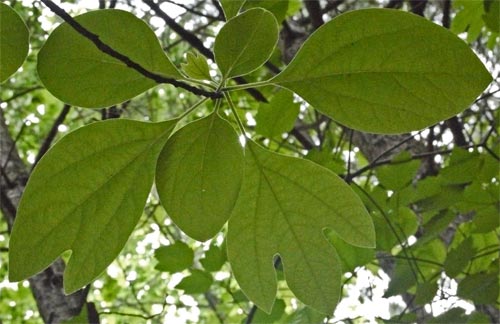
(250,120)
(62,128)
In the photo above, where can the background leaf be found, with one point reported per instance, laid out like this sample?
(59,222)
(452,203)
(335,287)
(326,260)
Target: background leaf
(14,41)
(284,205)
(197,283)
(245,42)
(86,195)
(214,259)
(75,71)
(370,70)
(174,258)
(199,175)
(278,116)
(231,7)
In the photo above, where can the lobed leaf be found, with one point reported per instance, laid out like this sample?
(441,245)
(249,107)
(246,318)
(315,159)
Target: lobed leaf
(385,71)
(284,206)
(86,195)
(14,41)
(245,42)
(75,71)
(199,176)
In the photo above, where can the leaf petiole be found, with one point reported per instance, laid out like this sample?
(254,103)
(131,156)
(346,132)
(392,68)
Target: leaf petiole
(247,86)
(233,109)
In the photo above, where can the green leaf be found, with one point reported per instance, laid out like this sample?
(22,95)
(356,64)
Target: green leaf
(197,283)
(277,8)
(491,15)
(458,258)
(199,176)
(214,259)
(426,292)
(305,315)
(350,256)
(481,288)
(399,173)
(14,41)
(433,253)
(245,42)
(86,195)
(468,18)
(384,78)
(403,221)
(284,205)
(196,66)
(174,258)
(275,315)
(75,71)
(278,116)
(231,7)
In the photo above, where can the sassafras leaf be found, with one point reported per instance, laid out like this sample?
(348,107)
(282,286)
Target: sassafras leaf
(86,195)
(75,71)
(385,71)
(245,42)
(14,41)
(199,175)
(283,208)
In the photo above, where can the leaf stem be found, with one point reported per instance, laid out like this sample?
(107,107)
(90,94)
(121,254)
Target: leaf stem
(247,86)
(233,109)
(193,107)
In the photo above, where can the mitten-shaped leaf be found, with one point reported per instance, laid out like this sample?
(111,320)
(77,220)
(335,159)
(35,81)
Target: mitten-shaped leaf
(385,71)
(283,208)
(14,41)
(246,42)
(86,195)
(199,175)
(74,70)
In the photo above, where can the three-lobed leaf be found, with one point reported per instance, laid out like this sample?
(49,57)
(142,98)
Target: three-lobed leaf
(199,176)
(86,195)
(283,208)
(14,41)
(245,42)
(385,71)
(75,71)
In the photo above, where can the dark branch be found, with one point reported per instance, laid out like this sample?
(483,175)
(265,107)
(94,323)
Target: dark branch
(94,38)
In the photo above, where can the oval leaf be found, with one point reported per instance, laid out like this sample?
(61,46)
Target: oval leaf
(14,41)
(385,71)
(174,258)
(199,176)
(197,283)
(246,42)
(74,70)
(86,195)
(284,205)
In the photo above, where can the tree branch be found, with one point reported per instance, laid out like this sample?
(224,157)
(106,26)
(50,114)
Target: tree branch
(94,38)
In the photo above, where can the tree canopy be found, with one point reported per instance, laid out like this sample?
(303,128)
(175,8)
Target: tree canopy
(249,161)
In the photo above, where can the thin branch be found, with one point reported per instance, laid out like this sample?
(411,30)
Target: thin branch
(94,38)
